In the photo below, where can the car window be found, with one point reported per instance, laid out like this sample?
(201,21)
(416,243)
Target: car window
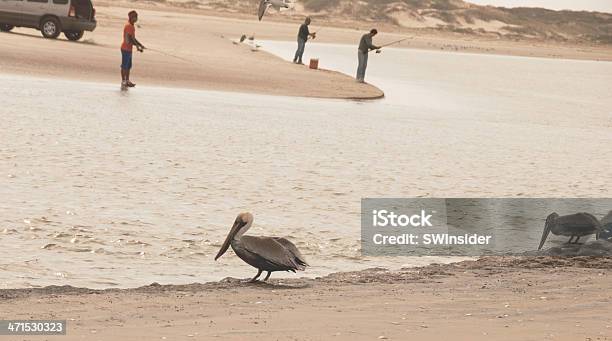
(60,2)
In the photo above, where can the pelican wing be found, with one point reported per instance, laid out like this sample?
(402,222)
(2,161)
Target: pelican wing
(263,6)
(272,251)
(294,250)
(578,221)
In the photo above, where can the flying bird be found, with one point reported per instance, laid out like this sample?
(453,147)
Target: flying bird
(265,4)
(269,254)
(573,226)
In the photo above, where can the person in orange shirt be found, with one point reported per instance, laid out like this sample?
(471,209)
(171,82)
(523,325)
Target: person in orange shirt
(129,41)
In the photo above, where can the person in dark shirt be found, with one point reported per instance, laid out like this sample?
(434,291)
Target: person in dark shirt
(303,35)
(365,46)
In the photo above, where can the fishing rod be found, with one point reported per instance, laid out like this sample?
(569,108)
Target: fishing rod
(395,42)
(392,43)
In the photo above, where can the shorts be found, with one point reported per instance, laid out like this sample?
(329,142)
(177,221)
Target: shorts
(126,60)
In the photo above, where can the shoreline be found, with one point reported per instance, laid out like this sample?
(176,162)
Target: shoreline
(489,264)
(107,82)
(505,298)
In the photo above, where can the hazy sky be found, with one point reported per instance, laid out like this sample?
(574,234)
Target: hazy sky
(589,5)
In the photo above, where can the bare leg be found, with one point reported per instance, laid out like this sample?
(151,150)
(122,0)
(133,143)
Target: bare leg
(268,276)
(256,276)
(577,239)
(570,241)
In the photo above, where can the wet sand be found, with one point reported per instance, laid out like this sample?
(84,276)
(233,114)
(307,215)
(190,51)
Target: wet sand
(196,52)
(488,299)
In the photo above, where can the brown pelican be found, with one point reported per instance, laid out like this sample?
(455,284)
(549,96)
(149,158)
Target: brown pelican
(265,4)
(264,253)
(574,225)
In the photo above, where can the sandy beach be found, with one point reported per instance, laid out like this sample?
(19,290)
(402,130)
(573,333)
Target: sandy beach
(193,51)
(489,299)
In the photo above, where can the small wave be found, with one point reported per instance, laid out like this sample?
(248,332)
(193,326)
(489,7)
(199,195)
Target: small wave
(102,251)
(50,246)
(88,250)
(105,283)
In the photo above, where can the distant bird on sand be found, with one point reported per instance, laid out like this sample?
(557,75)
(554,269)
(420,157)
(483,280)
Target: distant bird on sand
(265,4)
(263,253)
(573,226)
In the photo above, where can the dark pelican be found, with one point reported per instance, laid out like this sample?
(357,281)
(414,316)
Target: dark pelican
(574,225)
(264,253)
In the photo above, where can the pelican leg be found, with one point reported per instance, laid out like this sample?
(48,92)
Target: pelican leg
(268,276)
(256,276)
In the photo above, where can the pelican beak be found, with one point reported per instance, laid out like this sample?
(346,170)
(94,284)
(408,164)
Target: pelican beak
(228,240)
(547,228)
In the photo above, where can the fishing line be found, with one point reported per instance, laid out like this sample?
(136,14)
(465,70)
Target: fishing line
(395,42)
(173,56)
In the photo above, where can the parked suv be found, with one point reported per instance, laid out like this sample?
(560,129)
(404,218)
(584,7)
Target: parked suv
(51,17)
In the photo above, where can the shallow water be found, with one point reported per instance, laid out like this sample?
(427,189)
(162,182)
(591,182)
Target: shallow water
(108,189)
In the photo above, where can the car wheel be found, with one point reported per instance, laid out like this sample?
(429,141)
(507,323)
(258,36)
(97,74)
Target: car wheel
(50,27)
(6,28)
(74,35)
